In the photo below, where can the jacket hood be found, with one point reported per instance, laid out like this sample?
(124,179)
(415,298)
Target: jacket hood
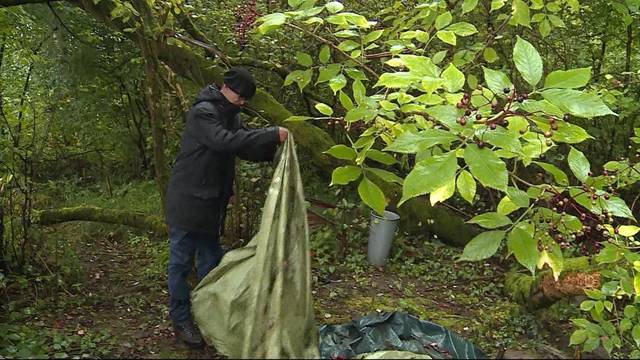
(212,94)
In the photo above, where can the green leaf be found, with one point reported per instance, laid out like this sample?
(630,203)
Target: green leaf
(447,36)
(558,175)
(468,5)
(398,79)
(419,65)
(411,143)
(555,260)
(521,13)
(348,45)
(579,164)
(345,174)
(429,175)
(334,7)
(443,193)
(497,4)
(544,28)
(591,344)
(628,230)
(570,79)
(372,36)
(381,157)
(506,206)
(490,220)
(297,118)
(337,83)
(271,21)
(371,194)
(325,54)
(443,20)
(385,175)
(345,101)
(482,246)
(454,78)
(501,138)
(439,56)
(587,305)
(528,61)
(625,324)
(630,311)
(518,196)
(607,344)
(486,166)
(327,73)
(304,59)
(466,186)
(447,114)
(524,247)
(577,103)
(490,55)
(342,152)
(635,333)
(496,81)
(578,337)
(570,133)
(617,207)
(324,109)
(462,29)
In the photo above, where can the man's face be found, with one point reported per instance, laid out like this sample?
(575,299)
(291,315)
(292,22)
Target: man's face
(232,96)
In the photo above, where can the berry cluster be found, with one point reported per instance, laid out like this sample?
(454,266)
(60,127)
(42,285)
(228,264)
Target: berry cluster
(246,15)
(588,239)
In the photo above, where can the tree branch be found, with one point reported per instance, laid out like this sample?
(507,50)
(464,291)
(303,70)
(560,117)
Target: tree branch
(111,216)
(7,3)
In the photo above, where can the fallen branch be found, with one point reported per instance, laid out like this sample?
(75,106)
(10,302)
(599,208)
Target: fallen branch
(134,219)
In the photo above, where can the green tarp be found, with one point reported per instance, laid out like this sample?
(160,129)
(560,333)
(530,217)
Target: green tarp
(257,303)
(393,331)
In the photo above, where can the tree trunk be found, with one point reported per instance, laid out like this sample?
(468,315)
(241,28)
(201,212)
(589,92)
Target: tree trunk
(627,65)
(154,97)
(535,292)
(111,216)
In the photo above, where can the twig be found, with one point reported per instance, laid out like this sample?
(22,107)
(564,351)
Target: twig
(323,40)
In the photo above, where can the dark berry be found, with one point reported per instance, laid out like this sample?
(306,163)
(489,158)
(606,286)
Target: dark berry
(506,90)
(478,116)
(566,117)
(607,196)
(554,126)
(467,112)
(480,144)
(594,197)
(492,126)
(463,121)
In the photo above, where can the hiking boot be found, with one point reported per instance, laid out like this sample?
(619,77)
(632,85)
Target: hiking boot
(189,334)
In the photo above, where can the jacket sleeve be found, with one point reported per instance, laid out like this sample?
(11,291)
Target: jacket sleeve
(208,130)
(259,152)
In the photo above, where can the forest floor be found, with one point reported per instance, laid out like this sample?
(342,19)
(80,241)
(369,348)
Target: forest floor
(117,306)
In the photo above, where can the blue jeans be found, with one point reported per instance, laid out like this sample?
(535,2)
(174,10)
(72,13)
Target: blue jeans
(183,246)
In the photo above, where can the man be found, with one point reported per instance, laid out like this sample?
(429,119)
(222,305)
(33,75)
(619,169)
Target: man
(202,182)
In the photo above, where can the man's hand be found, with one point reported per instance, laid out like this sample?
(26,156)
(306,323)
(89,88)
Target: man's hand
(283,134)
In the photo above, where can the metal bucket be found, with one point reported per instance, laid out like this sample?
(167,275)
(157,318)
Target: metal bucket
(381,232)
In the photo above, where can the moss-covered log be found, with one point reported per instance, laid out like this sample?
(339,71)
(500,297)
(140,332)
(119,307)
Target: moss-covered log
(112,216)
(542,290)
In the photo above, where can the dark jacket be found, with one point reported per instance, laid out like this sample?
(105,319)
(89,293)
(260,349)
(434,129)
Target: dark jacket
(202,175)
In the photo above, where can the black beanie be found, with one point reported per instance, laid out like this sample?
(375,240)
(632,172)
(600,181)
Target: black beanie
(240,81)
